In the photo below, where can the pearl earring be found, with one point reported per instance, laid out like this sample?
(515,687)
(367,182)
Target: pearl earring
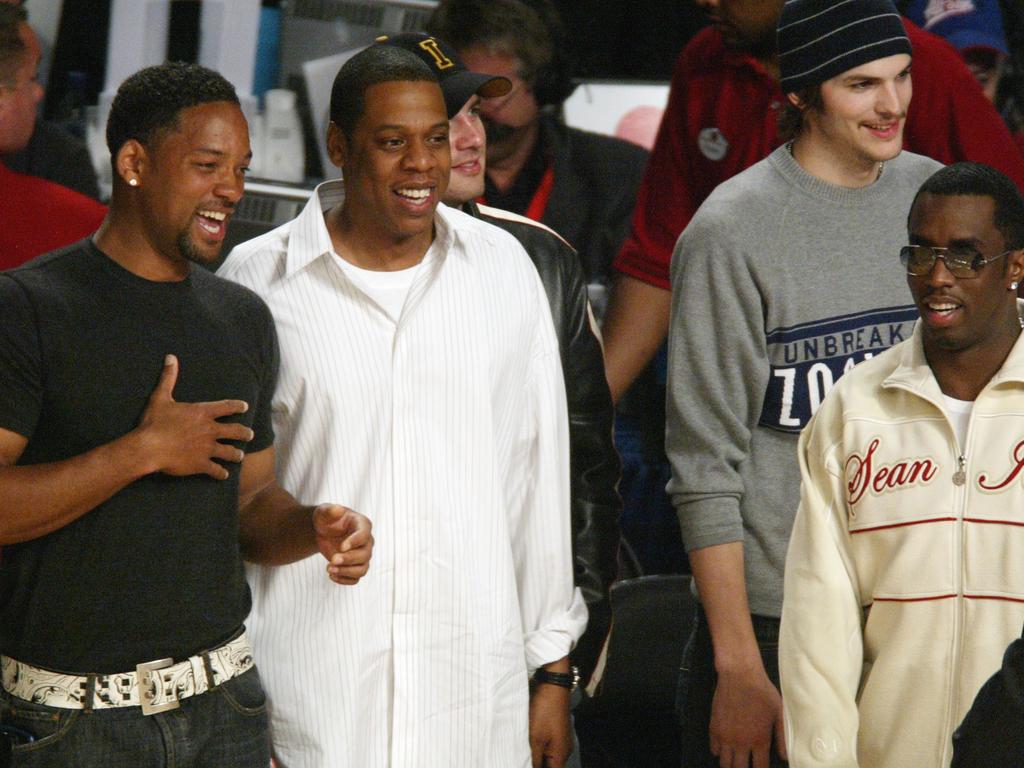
(133,182)
(1013,286)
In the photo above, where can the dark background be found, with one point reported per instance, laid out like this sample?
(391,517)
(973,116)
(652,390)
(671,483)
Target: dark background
(607,39)
(635,40)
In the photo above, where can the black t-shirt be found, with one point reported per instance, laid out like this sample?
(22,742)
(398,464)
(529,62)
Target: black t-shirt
(155,571)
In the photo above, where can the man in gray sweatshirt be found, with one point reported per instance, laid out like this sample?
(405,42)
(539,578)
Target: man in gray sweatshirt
(787,276)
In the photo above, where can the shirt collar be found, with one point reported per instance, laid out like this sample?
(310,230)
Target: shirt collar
(913,370)
(309,239)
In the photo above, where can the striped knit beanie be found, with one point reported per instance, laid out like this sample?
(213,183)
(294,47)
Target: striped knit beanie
(819,39)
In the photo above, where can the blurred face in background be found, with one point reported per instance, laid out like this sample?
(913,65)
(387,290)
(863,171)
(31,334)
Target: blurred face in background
(469,145)
(746,25)
(986,64)
(20,93)
(511,118)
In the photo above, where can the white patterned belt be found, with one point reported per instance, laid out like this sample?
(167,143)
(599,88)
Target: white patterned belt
(156,686)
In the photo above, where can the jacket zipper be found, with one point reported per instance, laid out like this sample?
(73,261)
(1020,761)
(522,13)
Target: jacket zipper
(960,487)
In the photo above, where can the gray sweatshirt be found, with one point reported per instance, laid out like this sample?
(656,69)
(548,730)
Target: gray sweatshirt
(780,284)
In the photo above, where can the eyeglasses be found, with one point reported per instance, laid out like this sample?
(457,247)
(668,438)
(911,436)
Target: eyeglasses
(961,260)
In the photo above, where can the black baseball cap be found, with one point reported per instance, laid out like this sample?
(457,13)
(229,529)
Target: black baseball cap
(457,82)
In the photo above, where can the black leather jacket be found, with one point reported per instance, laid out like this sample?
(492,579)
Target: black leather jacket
(594,462)
(592,200)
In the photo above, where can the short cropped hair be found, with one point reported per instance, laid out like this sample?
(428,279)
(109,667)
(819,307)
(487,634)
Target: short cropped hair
(983,181)
(526,31)
(371,66)
(148,103)
(12,47)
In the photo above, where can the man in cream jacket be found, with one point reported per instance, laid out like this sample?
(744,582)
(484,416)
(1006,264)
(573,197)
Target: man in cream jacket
(903,583)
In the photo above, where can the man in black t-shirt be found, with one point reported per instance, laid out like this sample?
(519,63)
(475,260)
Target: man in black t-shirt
(137,460)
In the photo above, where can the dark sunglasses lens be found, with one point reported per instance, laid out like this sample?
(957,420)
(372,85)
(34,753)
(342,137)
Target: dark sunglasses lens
(960,261)
(917,259)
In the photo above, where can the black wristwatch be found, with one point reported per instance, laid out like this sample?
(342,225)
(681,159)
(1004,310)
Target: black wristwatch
(568,679)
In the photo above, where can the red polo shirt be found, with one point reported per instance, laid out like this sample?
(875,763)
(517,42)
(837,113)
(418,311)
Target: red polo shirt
(37,216)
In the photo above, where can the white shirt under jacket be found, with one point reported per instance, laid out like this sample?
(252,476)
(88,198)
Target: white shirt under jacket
(904,578)
(448,429)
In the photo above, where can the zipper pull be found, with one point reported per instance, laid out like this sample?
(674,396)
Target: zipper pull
(960,476)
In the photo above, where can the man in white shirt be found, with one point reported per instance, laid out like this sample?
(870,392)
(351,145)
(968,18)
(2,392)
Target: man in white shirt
(420,368)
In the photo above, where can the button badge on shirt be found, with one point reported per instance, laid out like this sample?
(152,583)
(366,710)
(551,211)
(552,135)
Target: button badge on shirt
(712,144)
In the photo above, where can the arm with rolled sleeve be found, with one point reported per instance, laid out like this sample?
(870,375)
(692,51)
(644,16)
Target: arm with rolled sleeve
(718,371)
(821,641)
(553,612)
(552,609)
(594,464)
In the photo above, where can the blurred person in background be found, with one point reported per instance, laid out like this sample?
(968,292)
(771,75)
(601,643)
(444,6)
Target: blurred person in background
(722,117)
(51,152)
(580,184)
(37,215)
(975,28)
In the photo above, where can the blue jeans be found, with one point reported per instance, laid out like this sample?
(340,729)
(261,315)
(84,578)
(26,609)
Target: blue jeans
(222,728)
(697,681)
(648,520)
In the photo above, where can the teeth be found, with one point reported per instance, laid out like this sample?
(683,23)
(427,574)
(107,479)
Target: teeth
(941,307)
(415,194)
(216,215)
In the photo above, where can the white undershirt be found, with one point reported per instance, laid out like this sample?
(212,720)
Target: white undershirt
(387,289)
(959,413)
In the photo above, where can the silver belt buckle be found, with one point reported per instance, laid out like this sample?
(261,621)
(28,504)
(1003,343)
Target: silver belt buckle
(149,686)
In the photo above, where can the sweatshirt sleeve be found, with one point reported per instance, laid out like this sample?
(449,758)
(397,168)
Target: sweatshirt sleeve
(821,641)
(717,375)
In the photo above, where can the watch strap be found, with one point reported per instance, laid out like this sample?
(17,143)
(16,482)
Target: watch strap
(562,679)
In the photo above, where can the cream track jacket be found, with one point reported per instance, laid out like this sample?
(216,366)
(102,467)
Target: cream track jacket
(905,573)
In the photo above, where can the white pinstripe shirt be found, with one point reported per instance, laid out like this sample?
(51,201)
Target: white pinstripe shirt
(448,429)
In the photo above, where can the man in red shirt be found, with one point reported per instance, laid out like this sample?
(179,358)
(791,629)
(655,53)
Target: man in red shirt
(721,119)
(36,216)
